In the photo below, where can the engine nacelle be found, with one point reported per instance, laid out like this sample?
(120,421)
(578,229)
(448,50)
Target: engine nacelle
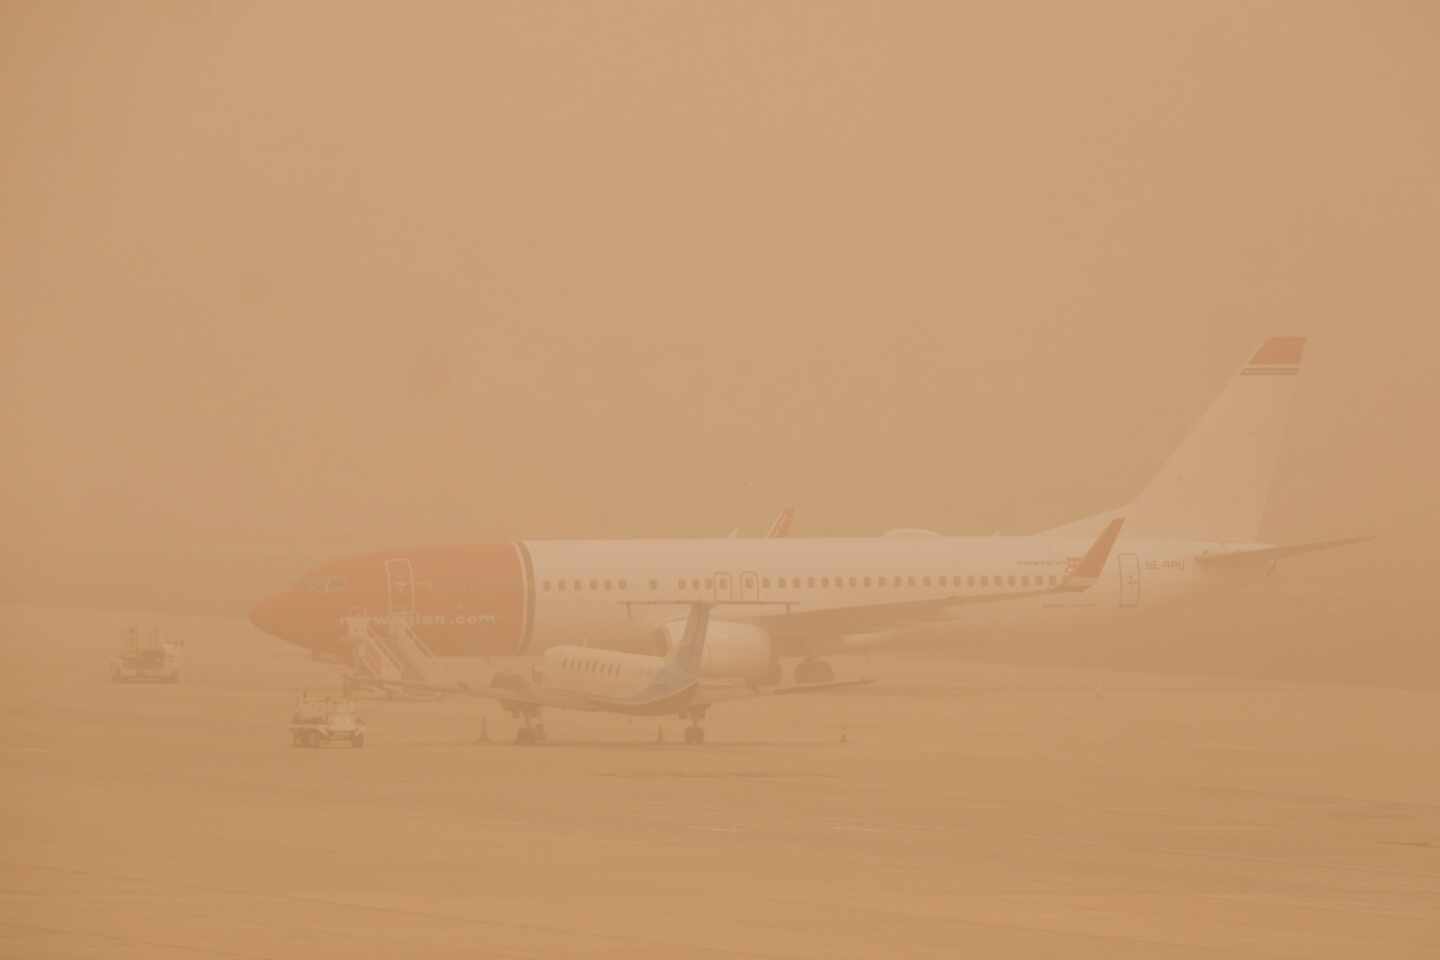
(732,650)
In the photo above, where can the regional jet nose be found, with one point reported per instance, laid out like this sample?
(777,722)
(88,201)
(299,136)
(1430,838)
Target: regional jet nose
(267,615)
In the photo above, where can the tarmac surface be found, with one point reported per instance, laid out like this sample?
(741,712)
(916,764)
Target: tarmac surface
(953,808)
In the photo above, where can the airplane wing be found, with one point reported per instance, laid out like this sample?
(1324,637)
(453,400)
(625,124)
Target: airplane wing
(515,696)
(1263,555)
(705,696)
(541,696)
(880,616)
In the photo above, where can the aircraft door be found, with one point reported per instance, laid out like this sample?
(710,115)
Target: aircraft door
(1129,580)
(748,583)
(400,586)
(724,585)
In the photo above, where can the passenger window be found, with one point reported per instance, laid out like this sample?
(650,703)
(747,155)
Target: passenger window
(780,583)
(749,582)
(654,584)
(824,582)
(910,581)
(594,584)
(867,581)
(984,581)
(882,581)
(1012,580)
(765,582)
(561,584)
(1052,579)
(578,584)
(609,584)
(811,582)
(709,583)
(926,581)
(725,584)
(970,581)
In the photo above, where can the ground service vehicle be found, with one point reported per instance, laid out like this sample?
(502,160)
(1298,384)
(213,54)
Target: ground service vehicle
(321,719)
(147,659)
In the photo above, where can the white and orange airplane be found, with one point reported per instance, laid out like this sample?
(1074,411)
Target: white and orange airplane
(576,676)
(1195,526)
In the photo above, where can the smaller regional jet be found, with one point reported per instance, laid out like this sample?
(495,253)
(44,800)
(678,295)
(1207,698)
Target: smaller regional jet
(573,677)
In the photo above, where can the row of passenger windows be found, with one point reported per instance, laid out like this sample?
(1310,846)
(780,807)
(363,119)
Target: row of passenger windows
(968,582)
(590,666)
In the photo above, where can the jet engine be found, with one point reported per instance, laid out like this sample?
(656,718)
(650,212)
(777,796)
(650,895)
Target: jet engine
(732,651)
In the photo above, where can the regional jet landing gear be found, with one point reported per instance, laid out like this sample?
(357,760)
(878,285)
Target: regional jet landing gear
(695,733)
(532,728)
(812,670)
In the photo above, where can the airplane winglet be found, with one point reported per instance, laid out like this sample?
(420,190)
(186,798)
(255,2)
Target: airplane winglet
(1088,570)
(780,527)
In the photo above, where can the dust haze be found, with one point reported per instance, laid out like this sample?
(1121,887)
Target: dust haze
(281,283)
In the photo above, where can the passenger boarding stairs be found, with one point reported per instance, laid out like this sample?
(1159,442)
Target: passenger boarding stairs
(388,653)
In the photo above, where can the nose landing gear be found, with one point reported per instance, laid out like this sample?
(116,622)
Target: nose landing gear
(695,733)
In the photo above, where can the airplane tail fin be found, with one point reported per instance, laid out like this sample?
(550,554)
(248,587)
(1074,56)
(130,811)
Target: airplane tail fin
(1216,483)
(689,653)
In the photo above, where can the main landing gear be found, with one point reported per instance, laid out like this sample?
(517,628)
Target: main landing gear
(811,670)
(695,733)
(532,729)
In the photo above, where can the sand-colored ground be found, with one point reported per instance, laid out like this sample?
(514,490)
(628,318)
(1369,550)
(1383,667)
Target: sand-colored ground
(979,810)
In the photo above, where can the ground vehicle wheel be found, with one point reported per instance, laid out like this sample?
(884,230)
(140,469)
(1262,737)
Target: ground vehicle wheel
(524,737)
(297,739)
(358,740)
(312,739)
(814,671)
(694,734)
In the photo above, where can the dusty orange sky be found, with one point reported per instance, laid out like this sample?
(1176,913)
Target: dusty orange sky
(282,281)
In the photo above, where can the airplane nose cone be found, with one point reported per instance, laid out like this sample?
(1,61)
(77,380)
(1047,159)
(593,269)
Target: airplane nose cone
(265,615)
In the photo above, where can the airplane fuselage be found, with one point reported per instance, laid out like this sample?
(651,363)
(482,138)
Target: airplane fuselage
(522,598)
